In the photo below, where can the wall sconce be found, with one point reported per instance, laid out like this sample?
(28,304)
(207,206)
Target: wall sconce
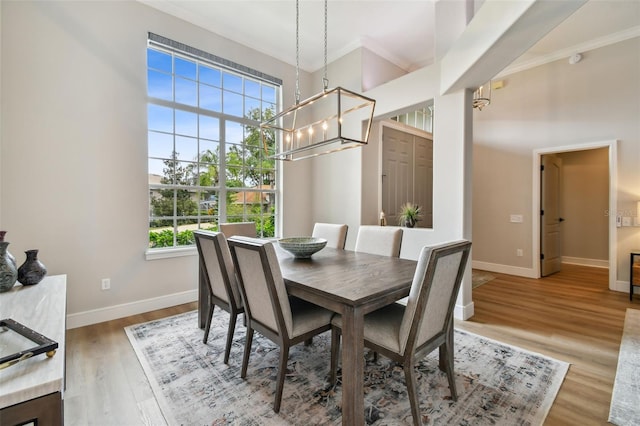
(636,220)
(482,96)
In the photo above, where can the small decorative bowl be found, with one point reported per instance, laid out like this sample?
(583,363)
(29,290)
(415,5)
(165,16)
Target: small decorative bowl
(302,247)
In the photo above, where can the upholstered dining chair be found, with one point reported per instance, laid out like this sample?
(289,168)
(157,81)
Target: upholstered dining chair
(405,334)
(245,229)
(334,233)
(269,310)
(218,272)
(382,240)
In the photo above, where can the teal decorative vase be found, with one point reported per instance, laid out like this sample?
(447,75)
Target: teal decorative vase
(13,259)
(32,271)
(8,271)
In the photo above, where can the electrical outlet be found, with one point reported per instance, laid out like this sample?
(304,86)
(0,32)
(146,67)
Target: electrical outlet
(519,253)
(106,284)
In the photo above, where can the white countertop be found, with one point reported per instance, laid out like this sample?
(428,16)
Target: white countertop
(41,307)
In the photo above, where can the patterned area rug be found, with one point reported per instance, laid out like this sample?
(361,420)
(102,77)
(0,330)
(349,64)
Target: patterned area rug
(497,384)
(625,400)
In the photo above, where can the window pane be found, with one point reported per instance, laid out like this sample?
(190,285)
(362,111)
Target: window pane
(185,173)
(209,76)
(252,88)
(159,60)
(159,85)
(208,204)
(186,92)
(160,145)
(209,128)
(186,123)
(208,174)
(185,68)
(160,118)
(210,98)
(269,94)
(209,151)
(164,171)
(252,109)
(232,104)
(186,148)
(232,82)
(233,132)
(156,171)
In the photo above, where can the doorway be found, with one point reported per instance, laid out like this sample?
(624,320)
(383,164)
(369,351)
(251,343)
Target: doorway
(407,171)
(609,148)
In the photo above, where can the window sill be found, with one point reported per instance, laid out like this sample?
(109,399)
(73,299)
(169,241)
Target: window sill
(155,254)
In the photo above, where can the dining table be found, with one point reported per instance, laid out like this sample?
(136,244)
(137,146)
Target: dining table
(349,283)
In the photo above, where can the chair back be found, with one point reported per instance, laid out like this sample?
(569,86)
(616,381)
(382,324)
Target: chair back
(334,233)
(261,284)
(244,229)
(382,240)
(217,266)
(433,293)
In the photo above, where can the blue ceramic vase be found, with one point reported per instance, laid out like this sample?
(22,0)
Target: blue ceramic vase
(8,271)
(32,271)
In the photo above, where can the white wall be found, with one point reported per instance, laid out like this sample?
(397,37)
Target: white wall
(553,105)
(74,147)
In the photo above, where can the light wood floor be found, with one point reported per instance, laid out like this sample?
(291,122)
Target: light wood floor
(571,316)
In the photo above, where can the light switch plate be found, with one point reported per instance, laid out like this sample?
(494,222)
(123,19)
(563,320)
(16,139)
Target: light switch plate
(516,218)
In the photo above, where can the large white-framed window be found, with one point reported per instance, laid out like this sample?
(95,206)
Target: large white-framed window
(207,162)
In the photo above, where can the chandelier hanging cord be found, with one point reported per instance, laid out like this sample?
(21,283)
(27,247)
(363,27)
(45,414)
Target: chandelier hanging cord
(325,80)
(297,52)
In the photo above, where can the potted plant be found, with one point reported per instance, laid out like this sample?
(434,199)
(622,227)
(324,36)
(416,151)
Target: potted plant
(409,214)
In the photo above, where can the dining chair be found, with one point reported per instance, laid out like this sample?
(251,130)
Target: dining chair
(406,334)
(334,233)
(269,310)
(216,266)
(245,229)
(382,240)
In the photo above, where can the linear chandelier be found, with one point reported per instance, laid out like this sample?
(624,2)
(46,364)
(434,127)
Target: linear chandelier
(330,121)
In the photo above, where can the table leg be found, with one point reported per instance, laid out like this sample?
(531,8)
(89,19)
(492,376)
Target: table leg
(352,366)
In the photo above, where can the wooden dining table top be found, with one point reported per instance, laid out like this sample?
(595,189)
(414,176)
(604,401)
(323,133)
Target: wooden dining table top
(348,277)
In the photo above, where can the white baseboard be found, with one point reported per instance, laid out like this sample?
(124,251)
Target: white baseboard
(596,263)
(623,286)
(504,269)
(109,313)
(465,312)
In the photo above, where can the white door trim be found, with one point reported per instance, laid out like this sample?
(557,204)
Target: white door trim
(613,197)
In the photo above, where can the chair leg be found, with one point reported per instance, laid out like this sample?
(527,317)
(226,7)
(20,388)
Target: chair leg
(335,352)
(232,328)
(448,349)
(446,361)
(209,318)
(282,372)
(412,390)
(247,352)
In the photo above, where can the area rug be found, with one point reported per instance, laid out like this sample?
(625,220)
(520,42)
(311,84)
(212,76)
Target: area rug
(625,400)
(497,384)
(480,277)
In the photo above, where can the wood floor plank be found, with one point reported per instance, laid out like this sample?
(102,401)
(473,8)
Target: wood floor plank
(571,316)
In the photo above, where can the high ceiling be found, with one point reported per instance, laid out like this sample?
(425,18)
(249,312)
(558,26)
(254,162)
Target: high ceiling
(399,30)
